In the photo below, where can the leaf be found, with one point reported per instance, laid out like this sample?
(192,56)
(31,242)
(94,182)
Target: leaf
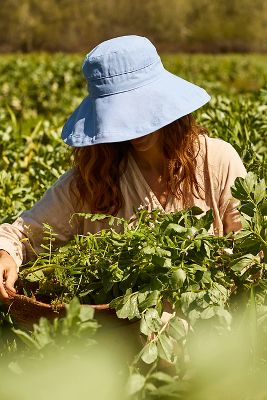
(165,347)
(151,321)
(242,263)
(263,208)
(116,303)
(194,210)
(27,339)
(248,209)
(218,294)
(151,300)
(260,191)
(242,234)
(73,309)
(178,328)
(142,295)
(125,310)
(134,311)
(250,181)
(35,276)
(149,353)
(162,377)
(144,326)
(149,250)
(205,221)
(174,228)
(250,244)
(161,261)
(208,313)
(193,316)
(186,299)
(177,278)
(243,186)
(135,383)
(86,313)
(156,283)
(245,221)
(163,252)
(94,217)
(42,333)
(207,248)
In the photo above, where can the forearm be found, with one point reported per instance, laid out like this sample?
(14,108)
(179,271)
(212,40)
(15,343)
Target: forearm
(23,239)
(11,242)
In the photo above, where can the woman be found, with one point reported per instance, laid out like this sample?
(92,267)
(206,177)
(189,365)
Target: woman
(135,144)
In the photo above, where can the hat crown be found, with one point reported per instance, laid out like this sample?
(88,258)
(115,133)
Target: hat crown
(119,56)
(130,94)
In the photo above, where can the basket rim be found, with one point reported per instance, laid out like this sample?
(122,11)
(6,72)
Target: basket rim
(22,298)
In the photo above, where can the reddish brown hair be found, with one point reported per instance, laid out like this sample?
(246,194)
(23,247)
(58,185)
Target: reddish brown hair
(99,167)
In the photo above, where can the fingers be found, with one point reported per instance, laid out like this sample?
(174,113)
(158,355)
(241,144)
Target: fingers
(8,276)
(3,293)
(10,280)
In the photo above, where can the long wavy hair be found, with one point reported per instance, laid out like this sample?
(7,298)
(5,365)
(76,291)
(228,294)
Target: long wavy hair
(99,168)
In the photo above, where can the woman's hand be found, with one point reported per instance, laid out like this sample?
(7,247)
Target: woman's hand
(8,274)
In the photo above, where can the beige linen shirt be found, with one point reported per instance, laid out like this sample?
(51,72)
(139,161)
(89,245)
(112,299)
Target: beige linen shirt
(218,164)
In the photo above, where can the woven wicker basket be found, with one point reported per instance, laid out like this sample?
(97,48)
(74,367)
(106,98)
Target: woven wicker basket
(26,311)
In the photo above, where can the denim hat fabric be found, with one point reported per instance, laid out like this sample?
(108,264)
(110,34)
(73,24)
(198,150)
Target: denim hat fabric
(131,94)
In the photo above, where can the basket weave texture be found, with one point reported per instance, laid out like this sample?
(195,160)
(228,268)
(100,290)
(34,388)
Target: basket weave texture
(26,311)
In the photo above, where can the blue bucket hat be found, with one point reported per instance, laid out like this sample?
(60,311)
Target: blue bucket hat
(131,94)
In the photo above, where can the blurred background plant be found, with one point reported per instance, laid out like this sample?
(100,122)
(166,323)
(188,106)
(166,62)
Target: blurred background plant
(175,25)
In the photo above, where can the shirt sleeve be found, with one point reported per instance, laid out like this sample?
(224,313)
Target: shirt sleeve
(23,239)
(233,167)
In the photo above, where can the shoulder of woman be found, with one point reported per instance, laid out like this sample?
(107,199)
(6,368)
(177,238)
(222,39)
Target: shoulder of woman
(66,178)
(219,151)
(223,161)
(66,183)
(64,189)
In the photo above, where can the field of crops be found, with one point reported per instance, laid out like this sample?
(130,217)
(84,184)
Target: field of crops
(215,344)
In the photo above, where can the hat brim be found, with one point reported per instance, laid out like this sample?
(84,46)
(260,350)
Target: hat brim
(132,114)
